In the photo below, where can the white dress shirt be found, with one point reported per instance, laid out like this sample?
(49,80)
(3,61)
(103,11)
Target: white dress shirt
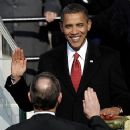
(82,52)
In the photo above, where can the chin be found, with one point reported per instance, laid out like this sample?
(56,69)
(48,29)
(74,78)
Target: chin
(76,48)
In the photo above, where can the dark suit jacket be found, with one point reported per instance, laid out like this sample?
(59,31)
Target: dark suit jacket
(50,122)
(102,72)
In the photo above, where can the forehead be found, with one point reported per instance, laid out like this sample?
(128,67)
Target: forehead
(75,17)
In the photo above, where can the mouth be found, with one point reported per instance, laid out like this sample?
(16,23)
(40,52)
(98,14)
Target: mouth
(75,38)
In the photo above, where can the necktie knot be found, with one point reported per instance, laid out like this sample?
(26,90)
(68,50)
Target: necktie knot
(76,56)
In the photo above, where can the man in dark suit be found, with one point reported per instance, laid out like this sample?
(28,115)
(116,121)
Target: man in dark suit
(45,95)
(111,25)
(100,69)
(52,9)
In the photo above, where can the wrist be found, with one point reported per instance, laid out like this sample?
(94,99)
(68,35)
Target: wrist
(93,115)
(15,79)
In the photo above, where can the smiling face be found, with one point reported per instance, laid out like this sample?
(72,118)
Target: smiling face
(75,27)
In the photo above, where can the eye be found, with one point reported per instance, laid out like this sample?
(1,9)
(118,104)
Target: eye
(80,25)
(68,26)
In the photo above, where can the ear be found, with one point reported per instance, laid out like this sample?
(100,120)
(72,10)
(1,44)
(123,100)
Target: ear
(61,26)
(29,97)
(60,97)
(89,24)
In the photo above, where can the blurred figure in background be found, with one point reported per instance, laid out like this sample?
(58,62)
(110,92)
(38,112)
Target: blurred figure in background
(51,10)
(25,34)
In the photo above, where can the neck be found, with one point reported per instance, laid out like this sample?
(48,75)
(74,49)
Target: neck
(40,110)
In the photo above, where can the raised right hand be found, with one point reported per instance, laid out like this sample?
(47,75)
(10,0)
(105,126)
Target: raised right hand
(91,104)
(18,65)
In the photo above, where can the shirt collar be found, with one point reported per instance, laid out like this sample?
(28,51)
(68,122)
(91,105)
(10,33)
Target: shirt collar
(81,51)
(44,112)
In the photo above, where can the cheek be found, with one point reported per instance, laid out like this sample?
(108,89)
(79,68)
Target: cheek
(67,33)
(85,31)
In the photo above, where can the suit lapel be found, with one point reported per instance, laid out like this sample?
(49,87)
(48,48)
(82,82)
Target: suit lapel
(92,63)
(64,71)
(67,78)
(91,66)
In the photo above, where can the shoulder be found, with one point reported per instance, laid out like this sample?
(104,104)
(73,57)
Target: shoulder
(28,124)
(108,51)
(71,125)
(109,55)
(15,127)
(102,52)
(54,52)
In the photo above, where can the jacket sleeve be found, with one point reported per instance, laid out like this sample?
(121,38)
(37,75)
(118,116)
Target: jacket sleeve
(120,94)
(19,92)
(96,123)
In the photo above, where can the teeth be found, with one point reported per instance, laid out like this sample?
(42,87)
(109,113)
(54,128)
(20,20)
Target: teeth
(75,38)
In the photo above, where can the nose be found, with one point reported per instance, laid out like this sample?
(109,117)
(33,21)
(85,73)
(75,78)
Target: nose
(74,30)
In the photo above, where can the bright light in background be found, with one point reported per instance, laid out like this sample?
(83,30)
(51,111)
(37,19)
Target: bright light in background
(85,1)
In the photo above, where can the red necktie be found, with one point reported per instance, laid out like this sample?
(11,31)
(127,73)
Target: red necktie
(76,72)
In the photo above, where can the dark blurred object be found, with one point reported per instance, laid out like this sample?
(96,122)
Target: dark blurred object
(112,26)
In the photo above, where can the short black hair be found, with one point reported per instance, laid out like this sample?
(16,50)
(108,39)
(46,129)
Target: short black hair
(45,99)
(74,8)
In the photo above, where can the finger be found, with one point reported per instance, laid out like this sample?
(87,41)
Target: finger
(95,96)
(22,55)
(25,62)
(105,111)
(90,89)
(90,93)
(86,95)
(19,53)
(84,104)
(15,54)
